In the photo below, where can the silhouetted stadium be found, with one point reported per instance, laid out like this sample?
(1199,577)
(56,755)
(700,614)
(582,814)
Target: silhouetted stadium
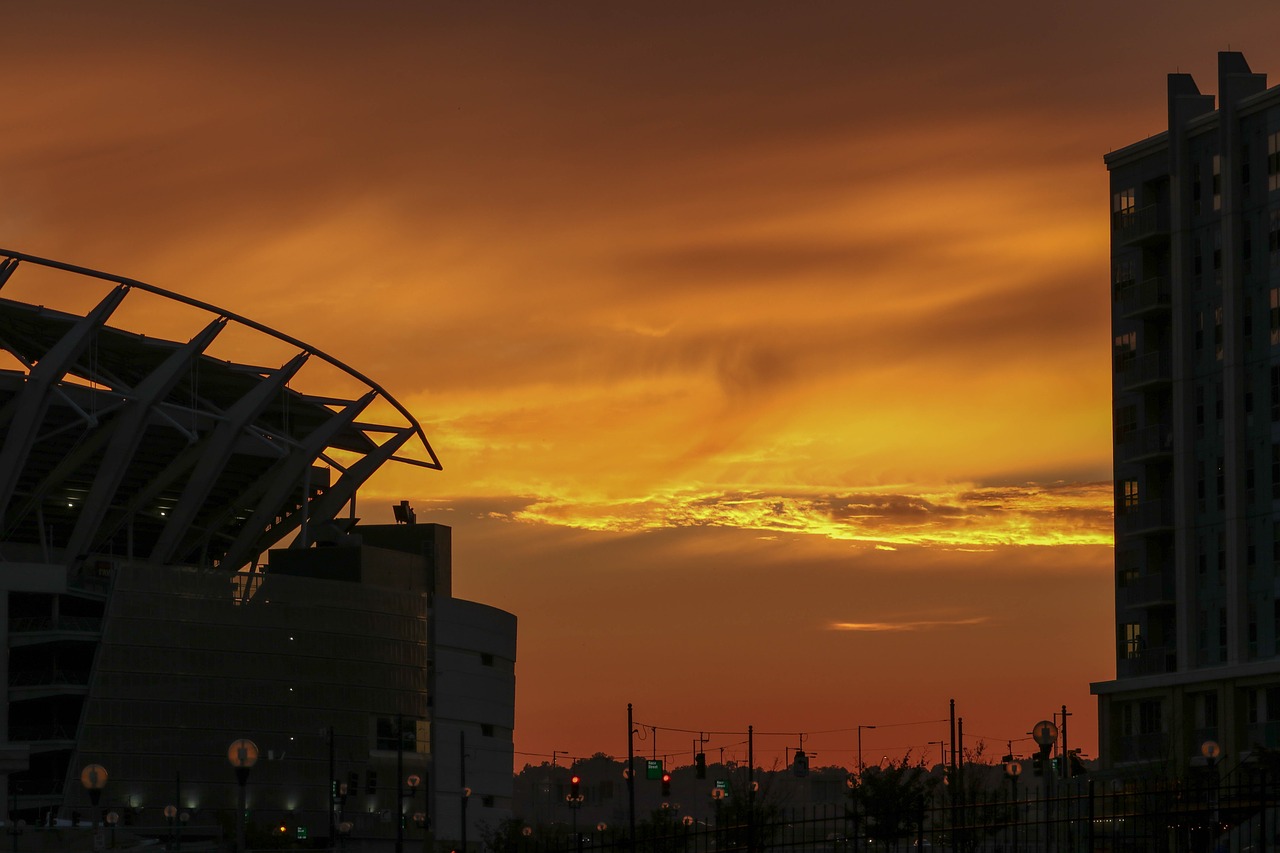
(183,566)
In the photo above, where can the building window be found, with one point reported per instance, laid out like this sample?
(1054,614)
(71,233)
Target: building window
(1244,169)
(1273,238)
(486,659)
(1253,629)
(1195,188)
(487,801)
(1123,276)
(1124,204)
(486,729)
(1275,316)
(1217,258)
(353,783)
(1126,349)
(1217,333)
(1275,394)
(1128,495)
(1275,471)
(1222,484)
(1128,576)
(1222,633)
(1126,422)
(1273,161)
(1206,710)
(370,782)
(1217,182)
(1199,411)
(1131,640)
(1150,718)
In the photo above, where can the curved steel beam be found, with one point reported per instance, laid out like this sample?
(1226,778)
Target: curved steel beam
(244,321)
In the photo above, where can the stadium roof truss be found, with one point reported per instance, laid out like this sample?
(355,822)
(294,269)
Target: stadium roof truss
(114,443)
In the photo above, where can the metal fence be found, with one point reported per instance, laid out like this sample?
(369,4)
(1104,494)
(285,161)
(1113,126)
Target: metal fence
(1080,816)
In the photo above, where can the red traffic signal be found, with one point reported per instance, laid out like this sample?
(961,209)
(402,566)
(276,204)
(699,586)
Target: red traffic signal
(575,785)
(666,784)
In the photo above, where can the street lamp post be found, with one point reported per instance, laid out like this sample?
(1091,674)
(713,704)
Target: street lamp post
(420,819)
(177,820)
(575,802)
(112,818)
(860,764)
(242,754)
(94,779)
(344,829)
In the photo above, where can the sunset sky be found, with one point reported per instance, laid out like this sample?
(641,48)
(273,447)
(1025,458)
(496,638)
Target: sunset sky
(765,345)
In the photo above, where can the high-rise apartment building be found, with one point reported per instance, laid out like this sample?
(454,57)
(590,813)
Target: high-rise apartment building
(1195,267)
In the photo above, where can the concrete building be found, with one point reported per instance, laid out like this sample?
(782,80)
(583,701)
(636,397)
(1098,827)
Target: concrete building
(182,566)
(1195,257)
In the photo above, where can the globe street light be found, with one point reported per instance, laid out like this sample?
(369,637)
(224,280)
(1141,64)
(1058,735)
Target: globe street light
(242,754)
(112,819)
(176,822)
(420,819)
(94,779)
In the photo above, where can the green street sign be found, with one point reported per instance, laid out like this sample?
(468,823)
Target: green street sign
(653,769)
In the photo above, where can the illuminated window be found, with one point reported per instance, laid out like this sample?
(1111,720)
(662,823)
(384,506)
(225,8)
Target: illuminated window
(1275,316)
(1217,182)
(1128,494)
(1126,349)
(1273,161)
(1131,639)
(1124,205)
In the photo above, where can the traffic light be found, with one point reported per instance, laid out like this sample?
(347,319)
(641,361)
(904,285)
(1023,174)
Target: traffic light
(700,765)
(575,786)
(666,784)
(282,828)
(1076,764)
(800,766)
(1037,764)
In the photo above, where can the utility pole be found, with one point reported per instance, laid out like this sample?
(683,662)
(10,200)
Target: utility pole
(466,792)
(751,790)
(399,781)
(1066,755)
(631,774)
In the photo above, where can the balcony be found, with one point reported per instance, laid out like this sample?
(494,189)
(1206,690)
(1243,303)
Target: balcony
(29,631)
(1155,590)
(1155,295)
(1146,517)
(1154,661)
(44,738)
(1144,371)
(1146,444)
(1141,226)
(36,684)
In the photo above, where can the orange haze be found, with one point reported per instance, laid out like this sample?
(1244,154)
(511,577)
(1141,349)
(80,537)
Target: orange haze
(764,344)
